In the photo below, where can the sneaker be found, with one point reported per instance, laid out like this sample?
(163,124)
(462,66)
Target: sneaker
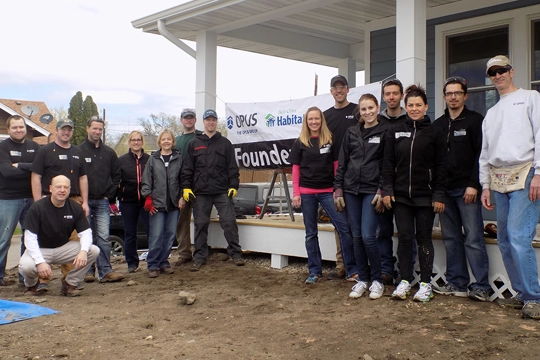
(479,294)
(424,294)
(531,310)
(239,261)
(402,290)
(312,279)
(112,277)
(89,278)
(512,303)
(197,265)
(449,289)
(31,291)
(387,279)
(69,290)
(42,288)
(166,270)
(153,273)
(358,290)
(376,290)
(182,261)
(353,278)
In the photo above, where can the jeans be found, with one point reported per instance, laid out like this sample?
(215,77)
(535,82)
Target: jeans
(131,213)
(99,222)
(457,216)
(415,222)
(202,208)
(13,212)
(386,244)
(310,205)
(183,233)
(517,217)
(364,221)
(160,242)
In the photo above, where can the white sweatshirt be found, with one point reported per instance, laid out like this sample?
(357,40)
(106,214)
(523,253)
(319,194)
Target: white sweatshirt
(511,133)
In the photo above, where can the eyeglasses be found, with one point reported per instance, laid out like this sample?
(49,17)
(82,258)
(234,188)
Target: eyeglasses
(96,118)
(135,140)
(500,71)
(454,93)
(339,87)
(454,79)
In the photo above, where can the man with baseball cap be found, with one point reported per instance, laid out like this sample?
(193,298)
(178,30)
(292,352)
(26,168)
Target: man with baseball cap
(510,169)
(188,118)
(210,177)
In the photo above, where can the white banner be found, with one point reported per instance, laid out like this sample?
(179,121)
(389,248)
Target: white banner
(263,132)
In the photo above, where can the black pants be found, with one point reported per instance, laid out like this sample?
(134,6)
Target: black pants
(414,222)
(227,219)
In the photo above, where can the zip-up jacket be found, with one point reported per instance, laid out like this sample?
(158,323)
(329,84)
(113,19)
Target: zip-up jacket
(209,165)
(361,159)
(102,170)
(464,142)
(163,183)
(385,118)
(131,171)
(414,165)
(15,181)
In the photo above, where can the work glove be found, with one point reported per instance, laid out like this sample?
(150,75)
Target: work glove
(149,205)
(378,203)
(114,209)
(339,202)
(188,195)
(388,200)
(231,192)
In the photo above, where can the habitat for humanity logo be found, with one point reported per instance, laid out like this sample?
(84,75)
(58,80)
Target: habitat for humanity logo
(272,121)
(230,123)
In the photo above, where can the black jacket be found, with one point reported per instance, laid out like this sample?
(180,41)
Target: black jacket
(209,165)
(360,160)
(161,182)
(464,143)
(131,171)
(101,169)
(414,165)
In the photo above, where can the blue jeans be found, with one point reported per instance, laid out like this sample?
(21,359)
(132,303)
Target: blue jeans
(517,217)
(99,222)
(364,221)
(160,242)
(458,215)
(131,212)
(13,212)
(310,206)
(386,243)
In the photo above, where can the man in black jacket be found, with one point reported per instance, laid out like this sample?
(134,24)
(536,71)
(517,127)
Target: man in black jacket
(210,177)
(463,209)
(103,179)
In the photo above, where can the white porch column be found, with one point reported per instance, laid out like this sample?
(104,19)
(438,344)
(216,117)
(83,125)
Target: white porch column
(206,68)
(347,68)
(411,42)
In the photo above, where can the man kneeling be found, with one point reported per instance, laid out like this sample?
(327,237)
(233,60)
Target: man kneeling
(48,225)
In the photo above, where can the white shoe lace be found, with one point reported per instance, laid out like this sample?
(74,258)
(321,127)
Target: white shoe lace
(402,288)
(424,291)
(376,287)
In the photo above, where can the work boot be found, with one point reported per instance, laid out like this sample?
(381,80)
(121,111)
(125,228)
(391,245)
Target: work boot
(112,277)
(69,290)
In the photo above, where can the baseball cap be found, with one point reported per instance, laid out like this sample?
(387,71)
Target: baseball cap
(64,122)
(209,113)
(499,60)
(337,78)
(188,112)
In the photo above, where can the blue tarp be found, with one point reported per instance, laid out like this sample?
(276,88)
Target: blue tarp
(12,311)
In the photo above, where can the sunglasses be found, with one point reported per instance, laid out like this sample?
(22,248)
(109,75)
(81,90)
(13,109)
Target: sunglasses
(455,79)
(500,71)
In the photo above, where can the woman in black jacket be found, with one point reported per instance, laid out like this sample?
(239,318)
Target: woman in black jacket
(132,166)
(414,182)
(358,184)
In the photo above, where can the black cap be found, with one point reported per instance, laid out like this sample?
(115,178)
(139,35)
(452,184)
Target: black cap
(339,78)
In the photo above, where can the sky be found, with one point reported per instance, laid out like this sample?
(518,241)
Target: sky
(52,49)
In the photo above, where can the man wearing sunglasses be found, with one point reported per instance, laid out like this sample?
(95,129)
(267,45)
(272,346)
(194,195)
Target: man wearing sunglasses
(463,210)
(510,169)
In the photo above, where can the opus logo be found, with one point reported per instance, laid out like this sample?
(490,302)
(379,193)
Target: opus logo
(246,120)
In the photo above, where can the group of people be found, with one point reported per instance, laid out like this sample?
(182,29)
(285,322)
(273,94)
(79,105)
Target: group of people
(365,167)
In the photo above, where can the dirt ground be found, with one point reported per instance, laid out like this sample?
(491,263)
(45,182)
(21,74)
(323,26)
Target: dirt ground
(255,312)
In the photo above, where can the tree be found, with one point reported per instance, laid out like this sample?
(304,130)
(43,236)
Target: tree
(156,123)
(59,113)
(80,112)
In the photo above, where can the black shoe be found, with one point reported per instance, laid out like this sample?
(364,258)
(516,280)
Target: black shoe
(197,265)
(387,279)
(511,303)
(239,261)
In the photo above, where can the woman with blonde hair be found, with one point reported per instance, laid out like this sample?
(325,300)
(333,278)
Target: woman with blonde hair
(314,161)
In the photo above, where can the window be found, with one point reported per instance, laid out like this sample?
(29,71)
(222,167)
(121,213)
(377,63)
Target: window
(535,73)
(468,54)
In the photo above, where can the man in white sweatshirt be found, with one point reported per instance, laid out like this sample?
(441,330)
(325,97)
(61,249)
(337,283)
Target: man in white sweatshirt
(510,168)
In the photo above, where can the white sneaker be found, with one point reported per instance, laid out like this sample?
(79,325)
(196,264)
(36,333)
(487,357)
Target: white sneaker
(358,290)
(376,290)
(424,294)
(402,290)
